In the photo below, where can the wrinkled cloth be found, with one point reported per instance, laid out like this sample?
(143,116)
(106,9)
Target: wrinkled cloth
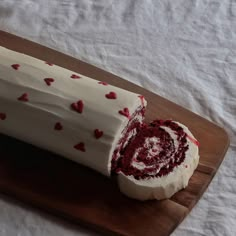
(183,50)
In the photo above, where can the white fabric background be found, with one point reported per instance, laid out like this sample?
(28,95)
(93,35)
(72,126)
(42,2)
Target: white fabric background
(183,50)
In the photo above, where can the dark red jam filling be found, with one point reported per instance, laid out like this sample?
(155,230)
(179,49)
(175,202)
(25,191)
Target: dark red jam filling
(159,158)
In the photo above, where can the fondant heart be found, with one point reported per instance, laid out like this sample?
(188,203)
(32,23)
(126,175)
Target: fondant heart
(48,63)
(193,140)
(15,66)
(58,126)
(23,97)
(142,99)
(103,83)
(78,106)
(80,147)
(48,81)
(125,112)
(73,76)
(98,133)
(111,95)
(3,116)
(74,106)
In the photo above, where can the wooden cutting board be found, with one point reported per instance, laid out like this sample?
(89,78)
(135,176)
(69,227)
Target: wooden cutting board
(66,189)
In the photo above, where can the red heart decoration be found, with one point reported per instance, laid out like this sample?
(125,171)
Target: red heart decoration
(98,133)
(74,106)
(125,112)
(80,147)
(23,97)
(15,66)
(73,76)
(103,83)
(58,126)
(193,140)
(3,116)
(142,99)
(78,106)
(48,81)
(111,95)
(48,63)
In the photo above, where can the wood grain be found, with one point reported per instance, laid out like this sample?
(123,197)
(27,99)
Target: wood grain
(62,187)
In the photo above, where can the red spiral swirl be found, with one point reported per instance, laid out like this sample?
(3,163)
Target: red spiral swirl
(155,151)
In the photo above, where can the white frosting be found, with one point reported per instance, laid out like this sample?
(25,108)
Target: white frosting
(167,185)
(34,121)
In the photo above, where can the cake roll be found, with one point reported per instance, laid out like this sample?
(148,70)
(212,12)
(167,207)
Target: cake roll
(94,124)
(82,119)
